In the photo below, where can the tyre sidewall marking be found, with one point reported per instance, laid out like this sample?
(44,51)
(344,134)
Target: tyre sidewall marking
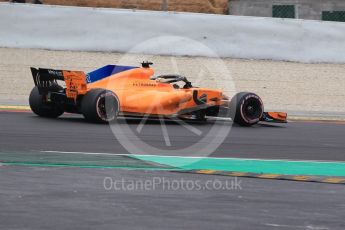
(242,104)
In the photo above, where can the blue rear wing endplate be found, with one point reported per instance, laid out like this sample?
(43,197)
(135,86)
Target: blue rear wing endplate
(106,71)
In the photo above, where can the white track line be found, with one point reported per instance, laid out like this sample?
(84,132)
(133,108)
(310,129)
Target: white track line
(86,153)
(194,157)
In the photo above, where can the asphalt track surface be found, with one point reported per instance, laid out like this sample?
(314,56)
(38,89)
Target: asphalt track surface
(75,198)
(296,140)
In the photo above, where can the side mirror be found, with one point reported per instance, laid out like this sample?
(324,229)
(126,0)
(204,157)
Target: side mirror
(146,64)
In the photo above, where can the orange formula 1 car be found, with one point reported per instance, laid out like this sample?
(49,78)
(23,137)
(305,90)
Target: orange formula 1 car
(113,90)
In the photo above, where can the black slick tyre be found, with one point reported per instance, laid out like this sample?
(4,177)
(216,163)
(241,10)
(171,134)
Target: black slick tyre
(100,106)
(246,108)
(42,108)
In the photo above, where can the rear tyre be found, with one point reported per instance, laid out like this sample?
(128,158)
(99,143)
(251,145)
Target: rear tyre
(100,106)
(42,108)
(246,109)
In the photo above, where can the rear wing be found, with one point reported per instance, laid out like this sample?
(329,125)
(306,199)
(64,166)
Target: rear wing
(47,80)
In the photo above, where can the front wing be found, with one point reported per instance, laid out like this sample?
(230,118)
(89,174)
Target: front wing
(275,117)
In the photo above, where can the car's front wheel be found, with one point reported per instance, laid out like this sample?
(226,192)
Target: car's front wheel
(246,108)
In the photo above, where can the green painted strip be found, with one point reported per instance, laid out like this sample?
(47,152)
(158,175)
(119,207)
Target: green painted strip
(151,162)
(311,168)
(84,166)
(33,158)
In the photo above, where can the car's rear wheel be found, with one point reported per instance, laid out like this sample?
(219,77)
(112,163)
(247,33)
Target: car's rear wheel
(246,108)
(100,106)
(42,108)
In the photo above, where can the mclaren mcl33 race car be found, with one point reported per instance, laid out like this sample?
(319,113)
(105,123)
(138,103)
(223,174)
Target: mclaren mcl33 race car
(111,91)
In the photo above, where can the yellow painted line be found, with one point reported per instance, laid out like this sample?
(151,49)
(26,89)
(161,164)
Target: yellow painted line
(335,120)
(15,107)
(331,180)
(269,176)
(237,174)
(302,178)
(334,180)
(320,118)
(206,171)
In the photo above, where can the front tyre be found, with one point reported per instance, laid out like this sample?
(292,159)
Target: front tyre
(246,108)
(100,106)
(42,108)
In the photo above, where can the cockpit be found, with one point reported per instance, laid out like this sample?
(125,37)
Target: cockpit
(177,81)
